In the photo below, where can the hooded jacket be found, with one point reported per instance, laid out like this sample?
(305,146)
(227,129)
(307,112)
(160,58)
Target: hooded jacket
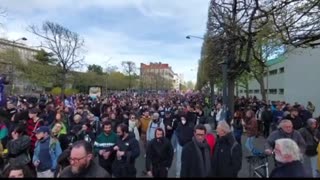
(18,150)
(311,138)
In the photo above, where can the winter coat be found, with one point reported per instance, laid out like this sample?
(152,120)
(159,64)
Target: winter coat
(293,169)
(251,127)
(211,140)
(125,167)
(297,122)
(152,128)
(190,161)
(145,124)
(311,139)
(224,162)
(184,134)
(18,150)
(266,116)
(93,171)
(279,134)
(277,116)
(159,154)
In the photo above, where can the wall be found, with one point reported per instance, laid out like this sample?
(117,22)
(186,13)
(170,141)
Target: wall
(275,81)
(302,77)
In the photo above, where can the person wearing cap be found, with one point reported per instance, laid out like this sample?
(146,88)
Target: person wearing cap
(311,136)
(46,153)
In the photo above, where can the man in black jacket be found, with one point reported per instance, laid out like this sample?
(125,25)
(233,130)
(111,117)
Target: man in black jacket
(227,156)
(127,150)
(184,133)
(159,155)
(195,159)
(266,118)
(295,119)
(168,123)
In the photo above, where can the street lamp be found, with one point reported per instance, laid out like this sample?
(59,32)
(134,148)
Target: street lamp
(224,66)
(13,56)
(107,64)
(190,36)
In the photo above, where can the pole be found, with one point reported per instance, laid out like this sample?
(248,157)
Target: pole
(267,96)
(225,84)
(11,69)
(107,77)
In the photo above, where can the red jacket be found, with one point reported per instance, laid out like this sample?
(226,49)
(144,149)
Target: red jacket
(211,141)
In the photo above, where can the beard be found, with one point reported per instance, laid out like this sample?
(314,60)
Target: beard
(79,169)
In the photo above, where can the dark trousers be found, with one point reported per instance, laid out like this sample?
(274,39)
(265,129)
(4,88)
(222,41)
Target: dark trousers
(260,127)
(266,130)
(105,164)
(159,172)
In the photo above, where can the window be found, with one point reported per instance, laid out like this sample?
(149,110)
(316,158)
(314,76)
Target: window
(241,91)
(273,72)
(281,70)
(250,91)
(257,91)
(245,91)
(272,91)
(281,91)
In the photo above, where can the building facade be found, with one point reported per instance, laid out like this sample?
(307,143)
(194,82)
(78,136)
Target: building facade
(157,76)
(291,78)
(26,54)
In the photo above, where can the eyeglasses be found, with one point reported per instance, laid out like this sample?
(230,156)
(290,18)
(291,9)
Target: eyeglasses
(76,160)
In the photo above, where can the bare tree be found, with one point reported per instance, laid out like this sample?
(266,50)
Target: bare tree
(238,22)
(64,44)
(3,14)
(297,22)
(129,68)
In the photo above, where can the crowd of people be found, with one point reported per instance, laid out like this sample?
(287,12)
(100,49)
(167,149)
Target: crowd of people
(82,136)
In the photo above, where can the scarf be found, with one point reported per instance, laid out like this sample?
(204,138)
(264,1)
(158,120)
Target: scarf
(204,161)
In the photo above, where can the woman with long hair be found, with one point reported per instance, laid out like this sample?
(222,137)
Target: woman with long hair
(237,124)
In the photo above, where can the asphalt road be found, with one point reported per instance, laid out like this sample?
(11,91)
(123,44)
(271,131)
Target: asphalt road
(244,172)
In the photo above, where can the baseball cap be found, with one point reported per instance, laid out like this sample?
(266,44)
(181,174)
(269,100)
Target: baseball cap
(43,129)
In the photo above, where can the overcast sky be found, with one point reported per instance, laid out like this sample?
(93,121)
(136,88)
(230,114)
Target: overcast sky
(136,30)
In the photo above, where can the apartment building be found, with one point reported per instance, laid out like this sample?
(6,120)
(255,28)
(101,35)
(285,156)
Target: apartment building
(293,77)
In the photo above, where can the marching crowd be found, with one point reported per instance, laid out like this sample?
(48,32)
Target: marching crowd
(82,136)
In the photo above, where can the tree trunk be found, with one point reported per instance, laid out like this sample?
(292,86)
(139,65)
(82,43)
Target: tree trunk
(231,84)
(247,89)
(63,85)
(237,89)
(262,88)
(212,92)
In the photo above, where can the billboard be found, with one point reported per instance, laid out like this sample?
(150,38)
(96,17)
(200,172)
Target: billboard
(95,91)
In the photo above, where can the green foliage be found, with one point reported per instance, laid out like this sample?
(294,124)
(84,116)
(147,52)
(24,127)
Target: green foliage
(95,68)
(45,58)
(57,91)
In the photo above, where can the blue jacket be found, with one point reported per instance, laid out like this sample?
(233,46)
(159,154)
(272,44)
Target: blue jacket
(55,151)
(277,116)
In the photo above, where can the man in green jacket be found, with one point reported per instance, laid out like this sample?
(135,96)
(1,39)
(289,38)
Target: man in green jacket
(103,146)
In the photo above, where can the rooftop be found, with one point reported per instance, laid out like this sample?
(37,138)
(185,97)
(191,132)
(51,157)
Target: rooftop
(6,42)
(155,66)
